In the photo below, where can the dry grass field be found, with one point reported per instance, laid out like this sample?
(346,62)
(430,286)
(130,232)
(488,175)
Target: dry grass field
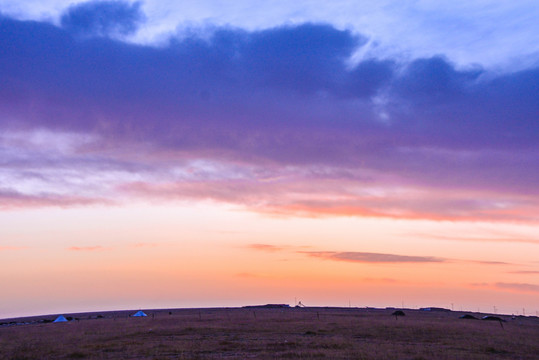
(261,333)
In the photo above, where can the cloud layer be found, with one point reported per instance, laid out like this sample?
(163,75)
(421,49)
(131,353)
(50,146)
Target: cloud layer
(278,120)
(518,286)
(367,257)
(102,18)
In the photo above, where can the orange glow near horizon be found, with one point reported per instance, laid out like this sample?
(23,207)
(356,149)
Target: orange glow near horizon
(155,255)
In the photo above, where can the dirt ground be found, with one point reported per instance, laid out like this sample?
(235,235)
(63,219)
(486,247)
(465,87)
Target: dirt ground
(262,333)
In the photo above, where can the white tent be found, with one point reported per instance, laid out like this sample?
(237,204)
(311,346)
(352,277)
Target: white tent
(60,318)
(139,313)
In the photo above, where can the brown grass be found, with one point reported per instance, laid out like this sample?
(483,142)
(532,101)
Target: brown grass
(315,333)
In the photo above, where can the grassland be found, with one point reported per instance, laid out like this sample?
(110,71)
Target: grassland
(258,333)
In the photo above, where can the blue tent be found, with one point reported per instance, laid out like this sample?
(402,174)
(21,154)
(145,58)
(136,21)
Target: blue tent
(139,313)
(60,318)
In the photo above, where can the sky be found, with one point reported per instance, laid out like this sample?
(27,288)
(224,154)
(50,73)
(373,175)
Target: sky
(161,154)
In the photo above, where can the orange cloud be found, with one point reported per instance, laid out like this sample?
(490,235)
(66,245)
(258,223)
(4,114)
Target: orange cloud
(298,195)
(265,247)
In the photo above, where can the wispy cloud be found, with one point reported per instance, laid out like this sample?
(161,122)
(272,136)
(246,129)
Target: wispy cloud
(330,195)
(10,200)
(12,248)
(145,245)
(485,262)
(524,272)
(87,248)
(518,286)
(266,247)
(249,275)
(367,257)
(381,280)
(494,238)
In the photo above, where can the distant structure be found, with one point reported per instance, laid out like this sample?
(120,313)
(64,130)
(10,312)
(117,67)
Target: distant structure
(435,309)
(468,317)
(300,305)
(139,313)
(267,306)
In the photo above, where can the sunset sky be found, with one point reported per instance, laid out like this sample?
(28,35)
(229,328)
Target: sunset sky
(161,154)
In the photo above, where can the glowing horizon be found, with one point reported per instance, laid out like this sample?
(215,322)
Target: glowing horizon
(210,255)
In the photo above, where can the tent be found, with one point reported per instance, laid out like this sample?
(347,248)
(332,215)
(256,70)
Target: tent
(139,313)
(60,318)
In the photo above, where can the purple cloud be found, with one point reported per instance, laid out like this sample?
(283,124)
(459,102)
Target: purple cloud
(352,256)
(366,257)
(102,18)
(13,200)
(292,125)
